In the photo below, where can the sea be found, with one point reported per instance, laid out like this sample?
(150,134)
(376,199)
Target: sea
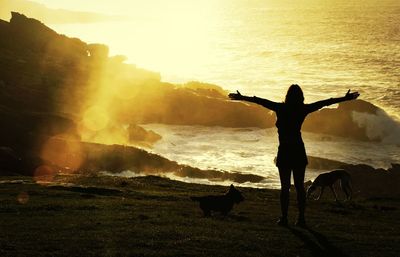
(260,47)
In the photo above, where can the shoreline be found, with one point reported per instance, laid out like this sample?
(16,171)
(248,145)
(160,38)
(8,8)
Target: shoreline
(92,159)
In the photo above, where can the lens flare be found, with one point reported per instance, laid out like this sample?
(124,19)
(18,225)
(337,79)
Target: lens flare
(23,198)
(125,91)
(63,151)
(95,118)
(44,174)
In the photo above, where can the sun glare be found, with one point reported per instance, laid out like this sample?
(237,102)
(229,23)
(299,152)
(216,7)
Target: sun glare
(95,118)
(172,37)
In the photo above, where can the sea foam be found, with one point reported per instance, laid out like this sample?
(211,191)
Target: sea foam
(379,126)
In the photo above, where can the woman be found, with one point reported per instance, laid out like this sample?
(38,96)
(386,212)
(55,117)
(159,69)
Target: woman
(291,152)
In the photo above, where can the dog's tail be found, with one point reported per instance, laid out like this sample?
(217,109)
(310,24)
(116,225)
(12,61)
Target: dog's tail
(195,198)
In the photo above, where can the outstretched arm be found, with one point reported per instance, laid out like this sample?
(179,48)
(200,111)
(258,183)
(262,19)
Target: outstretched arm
(318,105)
(254,99)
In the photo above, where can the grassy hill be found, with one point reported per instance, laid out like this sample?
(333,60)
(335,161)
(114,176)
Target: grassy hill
(151,216)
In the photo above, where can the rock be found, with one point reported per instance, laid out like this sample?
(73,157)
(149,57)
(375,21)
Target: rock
(395,168)
(10,161)
(370,182)
(140,136)
(98,51)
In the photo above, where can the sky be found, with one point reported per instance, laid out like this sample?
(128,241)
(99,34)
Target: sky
(87,5)
(119,6)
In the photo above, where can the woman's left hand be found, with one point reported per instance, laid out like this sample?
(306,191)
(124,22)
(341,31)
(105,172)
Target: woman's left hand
(352,95)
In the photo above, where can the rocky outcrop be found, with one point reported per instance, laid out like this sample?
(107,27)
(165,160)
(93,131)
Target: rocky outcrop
(373,183)
(10,162)
(47,80)
(339,121)
(140,136)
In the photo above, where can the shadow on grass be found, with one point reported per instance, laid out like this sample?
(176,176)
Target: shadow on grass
(317,243)
(239,218)
(229,217)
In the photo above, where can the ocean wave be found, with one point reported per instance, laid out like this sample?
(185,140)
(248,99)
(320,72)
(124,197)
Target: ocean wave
(379,126)
(357,119)
(191,174)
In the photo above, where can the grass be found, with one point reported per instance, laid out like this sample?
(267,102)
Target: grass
(151,216)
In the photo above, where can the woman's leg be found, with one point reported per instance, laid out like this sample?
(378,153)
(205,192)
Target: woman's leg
(298,175)
(284,175)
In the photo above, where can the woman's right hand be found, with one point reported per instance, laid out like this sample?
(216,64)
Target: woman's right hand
(236,96)
(352,95)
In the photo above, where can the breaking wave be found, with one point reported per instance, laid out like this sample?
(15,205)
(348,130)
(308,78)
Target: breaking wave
(379,126)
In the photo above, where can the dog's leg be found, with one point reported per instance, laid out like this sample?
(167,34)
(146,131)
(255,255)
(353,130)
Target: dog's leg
(348,191)
(320,193)
(350,184)
(343,186)
(351,192)
(333,191)
(349,188)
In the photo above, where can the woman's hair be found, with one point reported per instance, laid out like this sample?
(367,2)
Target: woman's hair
(294,95)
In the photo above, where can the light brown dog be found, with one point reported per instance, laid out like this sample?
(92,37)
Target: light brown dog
(328,180)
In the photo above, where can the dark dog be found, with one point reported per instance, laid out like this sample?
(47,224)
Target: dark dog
(219,203)
(328,179)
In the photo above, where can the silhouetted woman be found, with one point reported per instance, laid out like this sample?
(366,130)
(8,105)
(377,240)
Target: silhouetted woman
(291,152)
